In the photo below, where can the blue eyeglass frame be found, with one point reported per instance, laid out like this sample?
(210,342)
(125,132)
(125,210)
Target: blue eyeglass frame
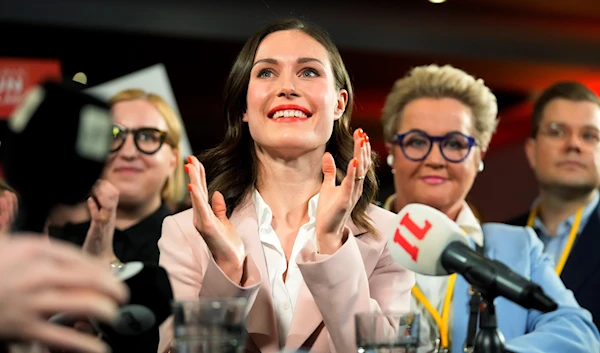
(399,139)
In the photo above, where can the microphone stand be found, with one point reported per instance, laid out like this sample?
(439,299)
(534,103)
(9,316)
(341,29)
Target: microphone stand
(489,339)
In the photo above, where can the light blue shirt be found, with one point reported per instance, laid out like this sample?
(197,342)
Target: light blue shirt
(568,329)
(553,246)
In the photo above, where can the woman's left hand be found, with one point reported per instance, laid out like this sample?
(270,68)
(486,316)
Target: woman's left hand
(336,202)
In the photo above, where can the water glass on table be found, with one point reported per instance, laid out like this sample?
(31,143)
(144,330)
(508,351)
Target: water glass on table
(387,332)
(209,326)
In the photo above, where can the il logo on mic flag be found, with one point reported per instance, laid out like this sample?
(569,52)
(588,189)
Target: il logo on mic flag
(415,230)
(418,235)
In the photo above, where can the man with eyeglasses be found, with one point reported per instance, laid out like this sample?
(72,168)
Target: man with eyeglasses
(564,154)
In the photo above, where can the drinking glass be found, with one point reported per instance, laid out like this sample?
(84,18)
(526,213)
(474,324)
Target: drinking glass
(209,326)
(387,332)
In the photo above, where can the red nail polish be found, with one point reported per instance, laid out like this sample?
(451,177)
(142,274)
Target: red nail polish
(190,187)
(187,168)
(189,159)
(367,138)
(355,163)
(362,143)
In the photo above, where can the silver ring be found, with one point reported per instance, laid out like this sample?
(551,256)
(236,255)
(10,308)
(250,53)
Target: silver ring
(360,178)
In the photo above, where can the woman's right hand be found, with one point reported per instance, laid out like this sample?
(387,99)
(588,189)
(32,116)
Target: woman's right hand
(103,211)
(225,245)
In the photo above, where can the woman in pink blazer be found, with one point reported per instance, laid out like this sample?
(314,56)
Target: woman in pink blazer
(286,218)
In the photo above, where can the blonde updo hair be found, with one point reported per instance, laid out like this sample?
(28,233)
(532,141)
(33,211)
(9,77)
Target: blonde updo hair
(173,190)
(433,81)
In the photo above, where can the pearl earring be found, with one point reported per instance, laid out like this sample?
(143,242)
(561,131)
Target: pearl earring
(481,166)
(390,160)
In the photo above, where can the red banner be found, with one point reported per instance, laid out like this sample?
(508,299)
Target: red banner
(17,76)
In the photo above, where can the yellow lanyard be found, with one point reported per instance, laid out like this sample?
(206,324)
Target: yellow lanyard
(443,320)
(572,235)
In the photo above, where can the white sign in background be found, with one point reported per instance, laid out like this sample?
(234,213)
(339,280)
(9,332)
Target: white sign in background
(153,79)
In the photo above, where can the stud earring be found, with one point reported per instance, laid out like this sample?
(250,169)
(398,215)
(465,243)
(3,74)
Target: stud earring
(481,166)
(390,160)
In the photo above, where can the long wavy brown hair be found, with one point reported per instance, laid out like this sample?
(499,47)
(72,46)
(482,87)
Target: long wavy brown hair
(231,167)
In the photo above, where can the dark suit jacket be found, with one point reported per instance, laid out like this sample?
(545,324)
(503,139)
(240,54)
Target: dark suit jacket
(582,270)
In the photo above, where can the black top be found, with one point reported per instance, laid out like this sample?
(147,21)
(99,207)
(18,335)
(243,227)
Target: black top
(136,243)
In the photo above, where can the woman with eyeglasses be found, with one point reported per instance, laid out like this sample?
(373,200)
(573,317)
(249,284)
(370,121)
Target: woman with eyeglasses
(122,219)
(282,209)
(438,123)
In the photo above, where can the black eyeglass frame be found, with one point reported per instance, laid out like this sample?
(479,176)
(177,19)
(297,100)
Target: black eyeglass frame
(137,132)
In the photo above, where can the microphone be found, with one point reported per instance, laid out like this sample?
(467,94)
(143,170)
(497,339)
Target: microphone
(426,241)
(54,150)
(149,305)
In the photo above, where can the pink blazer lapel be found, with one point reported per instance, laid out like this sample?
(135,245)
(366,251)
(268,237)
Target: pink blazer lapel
(307,316)
(305,320)
(260,323)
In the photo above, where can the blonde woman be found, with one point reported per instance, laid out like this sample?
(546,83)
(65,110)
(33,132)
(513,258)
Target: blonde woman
(438,123)
(143,175)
